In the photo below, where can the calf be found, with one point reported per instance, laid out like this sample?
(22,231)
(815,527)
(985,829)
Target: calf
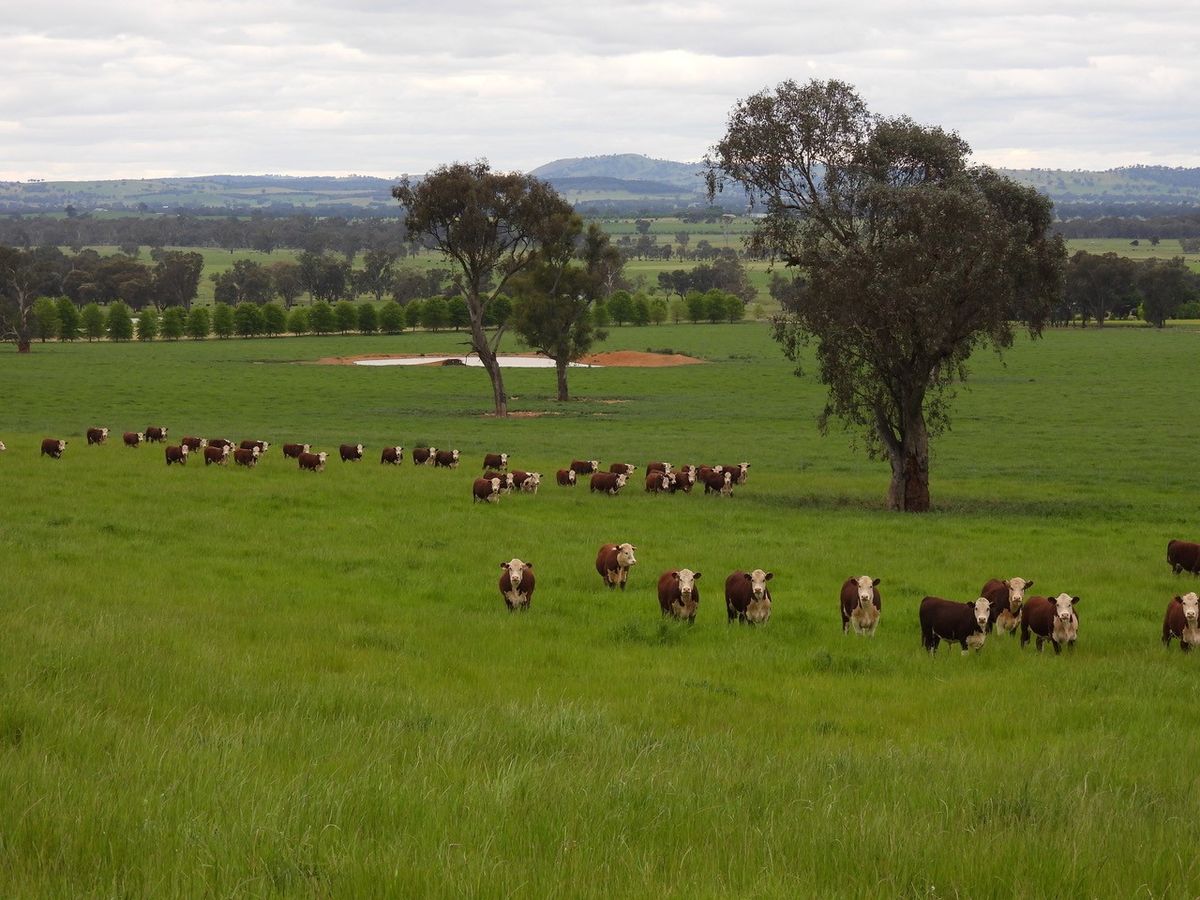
(133,438)
(53,448)
(351,452)
(962,623)
(1005,598)
(664,467)
(517,584)
(1183,556)
(246,457)
(747,597)
(312,462)
(607,482)
(683,481)
(177,454)
(585,466)
(495,460)
(97,435)
(506,480)
(566,477)
(156,434)
(1183,621)
(1050,620)
(678,595)
(614,561)
(194,443)
(216,455)
(392,455)
(719,483)
(445,459)
(622,468)
(262,446)
(658,482)
(740,472)
(293,451)
(861,605)
(485,489)
(423,456)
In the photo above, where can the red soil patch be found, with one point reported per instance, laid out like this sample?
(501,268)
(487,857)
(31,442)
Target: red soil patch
(644,360)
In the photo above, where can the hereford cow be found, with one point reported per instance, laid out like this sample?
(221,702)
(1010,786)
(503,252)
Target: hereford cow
(517,584)
(53,448)
(566,477)
(97,435)
(221,442)
(527,482)
(664,467)
(293,451)
(961,623)
(507,483)
(177,454)
(1050,620)
(740,472)
(485,489)
(683,481)
(312,462)
(585,466)
(607,482)
(703,472)
(246,457)
(1183,621)
(392,455)
(262,446)
(622,468)
(194,443)
(216,455)
(495,460)
(614,561)
(658,482)
(156,434)
(1006,598)
(133,438)
(445,459)
(423,456)
(351,452)
(1183,556)
(747,597)
(678,595)
(719,483)
(861,605)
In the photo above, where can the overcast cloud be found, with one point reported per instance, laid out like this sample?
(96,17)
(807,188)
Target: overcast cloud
(143,89)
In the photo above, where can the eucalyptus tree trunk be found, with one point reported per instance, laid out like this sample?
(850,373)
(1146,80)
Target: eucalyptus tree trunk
(560,368)
(909,456)
(487,356)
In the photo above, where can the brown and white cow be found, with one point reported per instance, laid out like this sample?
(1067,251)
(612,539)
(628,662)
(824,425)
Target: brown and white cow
(614,561)
(1183,556)
(527,482)
(658,482)
(391,456)
(495,461)
(194,443)
(133,438)
(683,481)
(177,454)
(156,434)
(262,446)
(97,435)
(313,462)
(246,457)
(221,442)
(678,595)
(622,468)
(861,604)
(351,452)
(516,584)
(293,451)
(961,623)
(53,448)
(216,455)
(739,471)
(485,489)
(507,483)
(423,456)
(703,472)
(1006,599)
(747,597)
(664,467)
(719,483)
(1182,621)
(607,482)
(566,477)
(445,459)
(1053,620)
(585,466)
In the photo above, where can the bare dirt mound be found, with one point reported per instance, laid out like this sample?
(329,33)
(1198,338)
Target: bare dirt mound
(634,358)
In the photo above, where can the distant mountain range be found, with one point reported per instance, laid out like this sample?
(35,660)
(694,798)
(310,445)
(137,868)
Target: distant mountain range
(616,184)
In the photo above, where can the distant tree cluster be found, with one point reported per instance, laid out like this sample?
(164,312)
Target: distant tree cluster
(725,273)
(1106,286)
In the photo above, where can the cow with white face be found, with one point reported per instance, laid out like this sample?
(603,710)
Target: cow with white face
(1006,598)
(860,604)
(614,561)
(747,597)
(531,484)
(1183,621)
(962,623)
(516,584)
(1051,619)
(678,595)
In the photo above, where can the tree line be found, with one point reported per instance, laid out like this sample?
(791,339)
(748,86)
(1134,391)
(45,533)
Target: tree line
(1099,287)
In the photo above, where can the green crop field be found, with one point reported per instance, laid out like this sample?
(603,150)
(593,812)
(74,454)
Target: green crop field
(277,683)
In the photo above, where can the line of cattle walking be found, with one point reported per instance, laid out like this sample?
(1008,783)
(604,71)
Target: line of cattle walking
(1001,605)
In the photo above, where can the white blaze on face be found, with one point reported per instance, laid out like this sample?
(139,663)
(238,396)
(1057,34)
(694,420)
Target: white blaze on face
(516,570)
(184,450)
(503,459)
(625,555)
(141,436)
(758,584)
(1016,593)
(62,445)
(1191,608)
(359,449)
(2,447)
(687,584)
(254,452)
(727,487)
(621,479)
(1066,625)
(983,610)
(322,456)
(103,432)
(571,476)
(866,590)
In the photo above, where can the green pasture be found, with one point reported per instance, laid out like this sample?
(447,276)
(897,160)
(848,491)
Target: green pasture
(277,683)
(1166,249)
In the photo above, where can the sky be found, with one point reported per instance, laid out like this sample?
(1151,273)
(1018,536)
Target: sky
(133,89)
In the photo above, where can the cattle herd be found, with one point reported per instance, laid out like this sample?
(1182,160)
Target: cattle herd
(1001,606)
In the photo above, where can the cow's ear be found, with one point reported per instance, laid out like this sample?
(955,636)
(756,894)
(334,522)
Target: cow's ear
(770,575)
(674,573)
(1177,600)
(504,565)
(875,582)
(747,576)
(1028,585)
(1074,600)
(697,575)
(529,565)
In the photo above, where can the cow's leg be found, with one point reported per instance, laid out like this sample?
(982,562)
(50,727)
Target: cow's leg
(1057,646)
